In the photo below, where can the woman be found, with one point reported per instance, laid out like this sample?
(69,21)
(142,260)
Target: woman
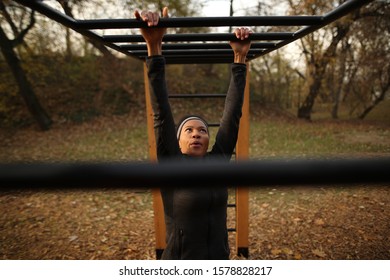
(195,217)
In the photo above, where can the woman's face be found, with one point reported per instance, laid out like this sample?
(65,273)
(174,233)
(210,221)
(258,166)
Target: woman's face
(194,138)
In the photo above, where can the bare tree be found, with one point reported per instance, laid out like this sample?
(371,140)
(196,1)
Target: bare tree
(25,89)
(68,6)
(318,53)
(336,76)
(322,49)
(373,75)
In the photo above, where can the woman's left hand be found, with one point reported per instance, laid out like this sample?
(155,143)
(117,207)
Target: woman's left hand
(241,46)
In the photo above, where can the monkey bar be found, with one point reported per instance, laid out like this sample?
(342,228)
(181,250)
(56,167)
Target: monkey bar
(197,48)
(213,43)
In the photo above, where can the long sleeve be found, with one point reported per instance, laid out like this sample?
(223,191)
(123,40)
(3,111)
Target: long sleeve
(164,126)
(227,135)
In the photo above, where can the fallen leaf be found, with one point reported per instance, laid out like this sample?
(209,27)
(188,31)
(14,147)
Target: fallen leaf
(73,238)
(287,251)
(319,253)
(297,256)
(276,252)
(319,222)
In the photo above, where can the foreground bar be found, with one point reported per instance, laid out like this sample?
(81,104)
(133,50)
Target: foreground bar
(61,176)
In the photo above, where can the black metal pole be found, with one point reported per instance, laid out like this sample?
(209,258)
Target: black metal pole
(308,172)
(312,24)
(198,60)
(226,52)
(198,95)
(51,13)
(196,46)
(203,22)
(335,14)
(199,37)
(68,22)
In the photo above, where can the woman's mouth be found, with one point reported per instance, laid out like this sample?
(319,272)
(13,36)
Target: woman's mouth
(196,144)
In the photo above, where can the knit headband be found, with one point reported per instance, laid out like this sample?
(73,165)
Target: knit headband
(183,122)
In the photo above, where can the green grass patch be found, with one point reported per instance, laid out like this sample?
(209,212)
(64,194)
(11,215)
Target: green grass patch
(271,138)
(123,138)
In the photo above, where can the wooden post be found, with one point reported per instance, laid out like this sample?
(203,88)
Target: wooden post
(159,222)
(242,193)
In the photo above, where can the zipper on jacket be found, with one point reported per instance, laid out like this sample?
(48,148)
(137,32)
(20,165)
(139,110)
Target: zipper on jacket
(180,243)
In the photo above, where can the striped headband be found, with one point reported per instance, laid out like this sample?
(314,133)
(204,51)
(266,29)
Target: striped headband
(183,122)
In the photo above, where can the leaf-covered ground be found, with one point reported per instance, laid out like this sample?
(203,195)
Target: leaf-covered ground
(285,223)
(322,222)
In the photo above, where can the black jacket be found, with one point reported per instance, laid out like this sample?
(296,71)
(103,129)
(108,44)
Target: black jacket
(195,217)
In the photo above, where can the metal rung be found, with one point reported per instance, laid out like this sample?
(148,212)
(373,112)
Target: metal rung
(204,22)
(196,46)
(304,25)
(270,36)
(167,53)
(198,95)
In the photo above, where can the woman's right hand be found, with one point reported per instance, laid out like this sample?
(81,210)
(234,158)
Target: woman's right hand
(153,35)
(241,46)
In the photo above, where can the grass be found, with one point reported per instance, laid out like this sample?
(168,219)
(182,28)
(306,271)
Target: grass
(381,112)
(327,222)
(275,138)
(105,139)
(122,138)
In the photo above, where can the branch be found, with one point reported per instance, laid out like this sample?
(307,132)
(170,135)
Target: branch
(98,45)
(66,8)
(20,38)
(8,18)
(300,74)
(374,10)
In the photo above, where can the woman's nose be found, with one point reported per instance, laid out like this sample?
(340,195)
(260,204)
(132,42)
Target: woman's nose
(195,135)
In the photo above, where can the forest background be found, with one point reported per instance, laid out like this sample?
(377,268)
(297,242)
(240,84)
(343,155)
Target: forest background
(64,98)
(50,74)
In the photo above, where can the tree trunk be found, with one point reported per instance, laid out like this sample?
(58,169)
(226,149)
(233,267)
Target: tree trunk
(25,89)
(320,64)
(385,86)
(335,110)
(69,53)
(372,106)
(340,80)
(304,111)
(98,45)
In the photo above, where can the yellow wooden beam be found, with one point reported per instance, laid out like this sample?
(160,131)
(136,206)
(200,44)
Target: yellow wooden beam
(242,193)
(159,222)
